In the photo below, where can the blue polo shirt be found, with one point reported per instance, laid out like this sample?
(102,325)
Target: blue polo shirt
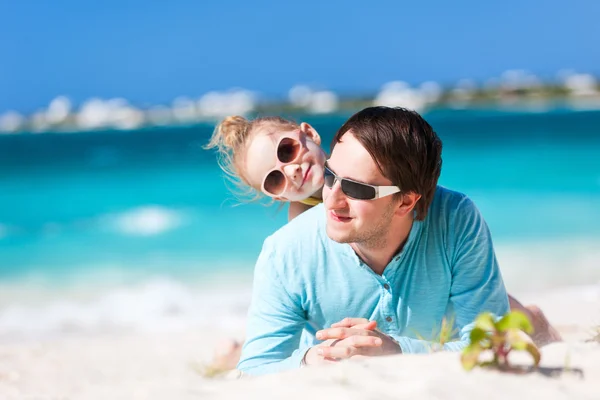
(304,282)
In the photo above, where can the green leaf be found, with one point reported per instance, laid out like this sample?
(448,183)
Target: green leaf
(477,335)
(515,320)
(517,339)
(470,356)
(488,364)
(485,321)
(535,353)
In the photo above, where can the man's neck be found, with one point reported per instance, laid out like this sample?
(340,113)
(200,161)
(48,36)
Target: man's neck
(377,255)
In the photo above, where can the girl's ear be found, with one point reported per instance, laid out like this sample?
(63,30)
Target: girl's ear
(311,133)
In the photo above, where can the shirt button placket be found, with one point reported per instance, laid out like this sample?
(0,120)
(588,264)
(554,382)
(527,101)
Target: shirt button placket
(388,309)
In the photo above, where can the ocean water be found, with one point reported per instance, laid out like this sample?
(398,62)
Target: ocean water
(139,230)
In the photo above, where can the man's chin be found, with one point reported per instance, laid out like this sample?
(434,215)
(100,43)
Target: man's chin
(336,235)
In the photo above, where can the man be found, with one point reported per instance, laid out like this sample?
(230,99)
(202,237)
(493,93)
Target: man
(381,263)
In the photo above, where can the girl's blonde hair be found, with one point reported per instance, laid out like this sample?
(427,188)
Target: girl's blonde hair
(231,138)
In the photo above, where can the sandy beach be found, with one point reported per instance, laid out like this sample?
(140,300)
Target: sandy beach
(169,365)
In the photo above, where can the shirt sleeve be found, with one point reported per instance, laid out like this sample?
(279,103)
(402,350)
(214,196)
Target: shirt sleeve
(477,285)
(275,321)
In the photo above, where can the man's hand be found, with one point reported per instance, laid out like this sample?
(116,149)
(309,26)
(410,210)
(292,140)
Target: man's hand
(351,337)
(358,323)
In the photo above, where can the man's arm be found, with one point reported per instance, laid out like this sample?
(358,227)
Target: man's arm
(275,321)
(477,283)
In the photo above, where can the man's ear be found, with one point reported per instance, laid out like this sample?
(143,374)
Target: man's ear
(311,132)
(408,201)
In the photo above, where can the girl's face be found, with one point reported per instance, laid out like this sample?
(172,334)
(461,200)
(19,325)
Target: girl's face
(286,164)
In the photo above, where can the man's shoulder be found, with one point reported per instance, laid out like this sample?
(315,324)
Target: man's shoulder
(453,218)
(449,206)
(449,200)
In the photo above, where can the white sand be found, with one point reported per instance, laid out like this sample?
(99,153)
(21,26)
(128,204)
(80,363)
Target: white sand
(163,366)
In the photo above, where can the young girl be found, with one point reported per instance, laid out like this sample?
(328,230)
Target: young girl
(283,160)
(273,157)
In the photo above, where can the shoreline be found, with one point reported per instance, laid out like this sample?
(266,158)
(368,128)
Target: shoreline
(166,364)
(163,304)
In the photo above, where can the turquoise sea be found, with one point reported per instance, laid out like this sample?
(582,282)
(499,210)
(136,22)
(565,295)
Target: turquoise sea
(112,228)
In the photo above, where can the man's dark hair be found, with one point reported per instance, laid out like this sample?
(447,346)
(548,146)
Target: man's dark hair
(406,149)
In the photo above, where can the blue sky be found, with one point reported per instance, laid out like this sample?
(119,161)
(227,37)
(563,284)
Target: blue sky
(152,51)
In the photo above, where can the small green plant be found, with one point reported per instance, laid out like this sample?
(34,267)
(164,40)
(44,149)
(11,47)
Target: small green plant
(208,371)
(440,337)
(447,331)
(500,338)
(596,337)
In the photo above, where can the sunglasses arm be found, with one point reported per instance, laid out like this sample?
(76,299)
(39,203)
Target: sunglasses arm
(383,191)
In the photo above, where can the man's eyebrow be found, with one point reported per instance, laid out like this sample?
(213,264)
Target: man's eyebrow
(345,177)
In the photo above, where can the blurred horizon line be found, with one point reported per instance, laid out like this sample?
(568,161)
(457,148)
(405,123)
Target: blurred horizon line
(512,87)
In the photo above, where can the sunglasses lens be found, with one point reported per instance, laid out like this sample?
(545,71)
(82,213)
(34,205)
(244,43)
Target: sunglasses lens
(328,177)
(288,150)
(357,190)
(275,183)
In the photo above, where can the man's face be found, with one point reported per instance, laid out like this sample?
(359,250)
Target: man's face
(356,221)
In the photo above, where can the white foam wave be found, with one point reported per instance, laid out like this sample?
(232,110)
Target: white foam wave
(157,305)
(93,304)
(145,221)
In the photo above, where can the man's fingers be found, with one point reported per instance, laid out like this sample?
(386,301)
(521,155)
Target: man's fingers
(349,322)
(364,341)
(337,352)
(351,347)
(341,333)
(371,325)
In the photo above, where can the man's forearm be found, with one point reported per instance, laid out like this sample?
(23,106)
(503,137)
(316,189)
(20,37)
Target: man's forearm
(411,345)
(415,346)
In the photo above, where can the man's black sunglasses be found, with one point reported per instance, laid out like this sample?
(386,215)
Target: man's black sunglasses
(358,190)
